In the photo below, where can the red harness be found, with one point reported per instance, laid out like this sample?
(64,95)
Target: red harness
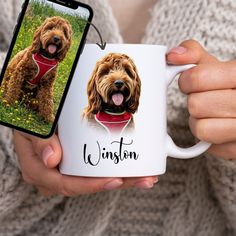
(44,65)
(113,122)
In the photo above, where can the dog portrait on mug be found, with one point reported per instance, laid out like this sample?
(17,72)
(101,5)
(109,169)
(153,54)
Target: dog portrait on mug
(113,94)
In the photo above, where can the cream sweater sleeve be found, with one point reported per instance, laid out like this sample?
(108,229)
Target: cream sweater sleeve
(9,12)
(223,180)
(6,135)
(7,146)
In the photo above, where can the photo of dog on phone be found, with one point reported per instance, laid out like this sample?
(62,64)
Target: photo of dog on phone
(40,63)
(113,94)
(31,73)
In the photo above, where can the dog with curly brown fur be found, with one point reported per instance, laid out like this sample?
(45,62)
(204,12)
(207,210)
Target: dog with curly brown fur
(113,93)
(31,74)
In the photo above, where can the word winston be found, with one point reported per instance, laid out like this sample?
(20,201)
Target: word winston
(120,155)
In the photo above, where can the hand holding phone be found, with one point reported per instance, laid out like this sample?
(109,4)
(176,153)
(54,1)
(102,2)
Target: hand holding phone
(40,64)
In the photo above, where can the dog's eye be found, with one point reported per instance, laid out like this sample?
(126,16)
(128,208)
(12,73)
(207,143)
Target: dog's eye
(49,28)
(129,72)
(65,33)
(103,71)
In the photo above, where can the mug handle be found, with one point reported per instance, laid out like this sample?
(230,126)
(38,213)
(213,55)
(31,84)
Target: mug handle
(172,149)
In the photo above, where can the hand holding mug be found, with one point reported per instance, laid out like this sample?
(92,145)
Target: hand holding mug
(210,87)
(39,159)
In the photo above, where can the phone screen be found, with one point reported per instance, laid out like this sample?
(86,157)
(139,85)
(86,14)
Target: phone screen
(40,64)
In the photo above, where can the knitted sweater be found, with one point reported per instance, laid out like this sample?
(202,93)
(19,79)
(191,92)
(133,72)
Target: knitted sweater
(195,197)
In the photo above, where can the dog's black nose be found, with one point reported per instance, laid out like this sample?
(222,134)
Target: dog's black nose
(119,84)
(56,39)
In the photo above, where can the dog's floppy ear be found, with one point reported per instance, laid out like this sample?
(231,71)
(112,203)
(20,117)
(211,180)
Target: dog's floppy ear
(63,53)
(35,47)
(133,102)
(94,99)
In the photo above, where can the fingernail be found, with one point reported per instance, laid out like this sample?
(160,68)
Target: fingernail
(143,185)
(47,153)
(178,50)
(114,184)
(155,180)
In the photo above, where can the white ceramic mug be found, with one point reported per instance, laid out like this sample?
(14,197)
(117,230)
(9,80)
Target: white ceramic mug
(114,122)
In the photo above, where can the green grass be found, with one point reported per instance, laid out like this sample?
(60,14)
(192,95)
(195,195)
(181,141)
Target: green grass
(36,14)
(21,117)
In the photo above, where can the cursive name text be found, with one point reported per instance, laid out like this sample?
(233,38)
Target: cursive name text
(117,156)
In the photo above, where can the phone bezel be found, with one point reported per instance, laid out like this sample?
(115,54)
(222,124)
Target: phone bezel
(7,60)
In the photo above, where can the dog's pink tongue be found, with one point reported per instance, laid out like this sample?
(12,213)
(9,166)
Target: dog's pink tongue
(118,98)
(52,48)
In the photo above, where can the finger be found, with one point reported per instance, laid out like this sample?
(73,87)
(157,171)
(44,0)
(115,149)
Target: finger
(189,52)
(23,140)
(45,192)
(215,131)
(206,77)
(49,150)
(35,173)
(226,150)
(140,182)
(74,186)
(51,179)
(33,169)
(213,104)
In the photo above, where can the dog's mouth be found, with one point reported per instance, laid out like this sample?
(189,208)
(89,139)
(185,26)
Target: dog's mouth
(116,101)
(52,48)
(117,98)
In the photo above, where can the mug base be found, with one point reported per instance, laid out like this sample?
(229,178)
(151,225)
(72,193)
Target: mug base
(131,175)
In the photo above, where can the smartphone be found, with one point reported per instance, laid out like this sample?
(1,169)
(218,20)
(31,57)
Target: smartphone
(47,42)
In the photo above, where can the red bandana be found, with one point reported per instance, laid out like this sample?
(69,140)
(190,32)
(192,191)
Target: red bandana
(113,122)
(44,66)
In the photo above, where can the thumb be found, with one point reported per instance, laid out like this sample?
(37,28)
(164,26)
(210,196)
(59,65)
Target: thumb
(49,150)
(189,52)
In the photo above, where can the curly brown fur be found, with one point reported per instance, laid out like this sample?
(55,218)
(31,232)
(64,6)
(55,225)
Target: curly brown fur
(110,70)
(22,68)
